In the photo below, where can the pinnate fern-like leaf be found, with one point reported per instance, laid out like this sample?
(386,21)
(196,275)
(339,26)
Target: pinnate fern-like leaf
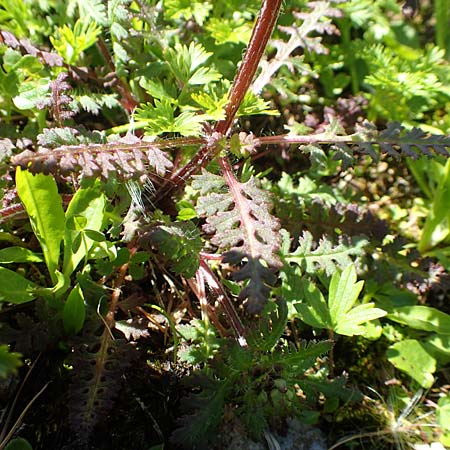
(27,48)
(124,159)
(239,219)
(204,411)
(325,255)
(260,278)
(395,141)
(314,22)
(237,215)
(181,243)
(99,363)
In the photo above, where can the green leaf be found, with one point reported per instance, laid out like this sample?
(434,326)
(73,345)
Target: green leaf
(443,417)
(302,358)
(19,444)
(422,318)
(340,314)
(410,357)
(70,43)
(212,105)
(18,255)
(161,118)
(39,195)
(159,89)
(176,9)
(61,285)
(181,243)
(315,312)
(326,256)
(87,210)
(74,312)
(437,224)
(349,325)
(438,345)
(9,361)
(185,63)
(343,294)
(31,92)
(14,288)
(251,105)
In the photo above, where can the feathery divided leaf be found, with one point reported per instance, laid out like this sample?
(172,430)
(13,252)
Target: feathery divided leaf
(198,427)
(239,220)
(99,363)
(260,278)
(27,48)
(316,21)
(395,141)
(180,242)
(126,159)
(325,255)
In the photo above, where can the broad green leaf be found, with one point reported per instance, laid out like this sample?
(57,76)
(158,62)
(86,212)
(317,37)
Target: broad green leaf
(9,361)
(410,357)
(74,312)
(18,255)
(14,288)
(19,444)
(343,293)
(422,318)
(438,345)
(39,195)
(372,330)
(86,209)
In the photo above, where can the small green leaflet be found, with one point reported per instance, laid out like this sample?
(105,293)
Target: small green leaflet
(84,216)
(340,313)
(11,255)
(74,312)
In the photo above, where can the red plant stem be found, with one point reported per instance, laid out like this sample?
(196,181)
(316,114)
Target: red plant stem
(222,297)
(262,30)
(260,36)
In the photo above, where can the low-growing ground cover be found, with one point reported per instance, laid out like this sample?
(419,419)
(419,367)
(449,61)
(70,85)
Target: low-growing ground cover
(224,222)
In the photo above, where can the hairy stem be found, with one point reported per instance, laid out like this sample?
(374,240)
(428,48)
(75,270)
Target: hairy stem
(260,36)
(262,30)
